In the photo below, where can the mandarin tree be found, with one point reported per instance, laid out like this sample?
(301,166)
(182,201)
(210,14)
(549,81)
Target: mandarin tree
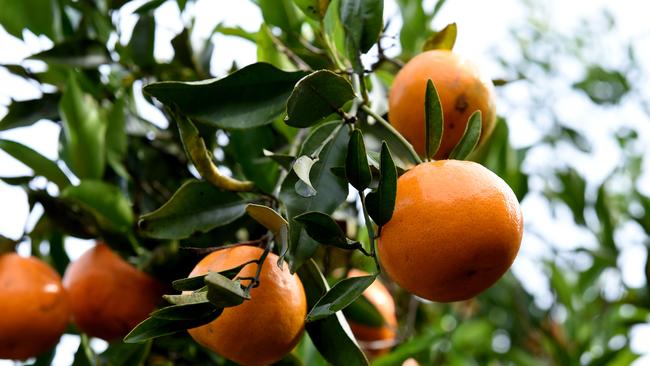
(349,196)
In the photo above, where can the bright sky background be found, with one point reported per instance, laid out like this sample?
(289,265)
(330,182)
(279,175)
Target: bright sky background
(483,27)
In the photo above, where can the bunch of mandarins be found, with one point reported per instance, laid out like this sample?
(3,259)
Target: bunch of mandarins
(455,230)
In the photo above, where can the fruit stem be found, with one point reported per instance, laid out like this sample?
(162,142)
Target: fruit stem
(414,155)
(260,262)
(371,230)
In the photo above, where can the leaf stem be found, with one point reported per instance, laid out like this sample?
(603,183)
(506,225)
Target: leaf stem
(371,231)
(414,155)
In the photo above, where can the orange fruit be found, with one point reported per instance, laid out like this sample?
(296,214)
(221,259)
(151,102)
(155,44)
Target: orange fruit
(455,231)
(376,340)
(109,296)
(462,90)
(263,329)
(34,307)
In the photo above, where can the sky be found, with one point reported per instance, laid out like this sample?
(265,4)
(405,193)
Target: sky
(481,33)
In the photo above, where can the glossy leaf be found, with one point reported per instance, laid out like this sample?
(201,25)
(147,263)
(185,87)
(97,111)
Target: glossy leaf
(332,190)
(381,202)
(197,206)
(252,96)
(362,21)
(186,311)
(442,40)
(197,282)
(302,167)
(362,311)
(470,138)
(27,112)
(332,335)
(357,170)
(38,163)
(339,297)
(156,327)
(224,292)
(316,97)
(107,203)
(434,120)
(84,132)
(267,217)
(325,230)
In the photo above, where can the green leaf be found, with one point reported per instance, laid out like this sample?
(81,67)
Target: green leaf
(415,26)
(38,163)
(116,140)
(434,120)
(69,216)
(187,311)
(17,181)
(156,327)
(325,230)
(85,356)
(340,296)
(316,97)
(268,51)
(107,203)
(332,190)
(302,167)
(381,202)
(252,96)
(197,282)
(27,112)
(357,170)
(283,159)
(124,354)
(332,335)
(224,292)
(604,86)
(149,6)
(470,138)
(362,21)
(315,9)
(84,132)
(420,343)
(196,206)
(283,14)
(39,16)
(442,40)
(362,311)
(248,146)
(267,217)
(141,45)
(84,53)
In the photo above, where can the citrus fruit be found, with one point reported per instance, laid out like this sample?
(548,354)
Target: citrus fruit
(34,307)
(109,296)
(455,231)
(263,329)
(462,90)
(376,340)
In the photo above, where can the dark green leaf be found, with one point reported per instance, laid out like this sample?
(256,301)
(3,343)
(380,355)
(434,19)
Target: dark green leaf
(84,132)
(362,21)
(39,16)
(27,112)
(187,311)
(316,97)
(38,163)
(17,181)
(141,45)
(224,292)
(332,190)
(322,228)
(71,217)
(116,140)
(434,120)
(415,26)
(124,354)
(107,203)
(284,160)
(604,86)
(247,146)
(83,53)
(442,40)
(196,282)
(196,206)
(339,297)
(357,170)
(149,6)
(281,13)
(252,96)
(155,327)
(362,311)
(331,336)
(85,356)
(419,343)
(470,138)
(381,202)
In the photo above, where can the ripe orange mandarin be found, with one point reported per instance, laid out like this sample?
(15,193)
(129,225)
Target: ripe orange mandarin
(34,308)
(376,340)
(263,329)
(462,90)
(109,296)
(455,231)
